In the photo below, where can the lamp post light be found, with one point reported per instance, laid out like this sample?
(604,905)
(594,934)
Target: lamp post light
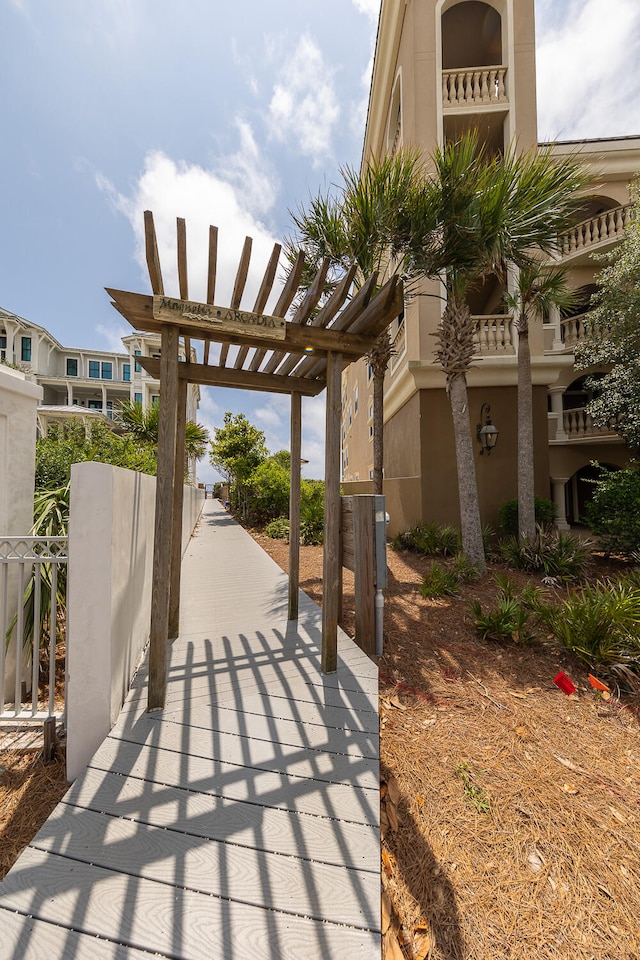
(486,434)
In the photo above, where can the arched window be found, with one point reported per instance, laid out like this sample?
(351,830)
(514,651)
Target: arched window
(471,36)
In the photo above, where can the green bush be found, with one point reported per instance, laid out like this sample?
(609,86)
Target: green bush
(556,555)
(601,624)
(508,620)
(311,512)
(278,529)
(444,581)
(614,512)
(508,516)
(430,540)
(269,491)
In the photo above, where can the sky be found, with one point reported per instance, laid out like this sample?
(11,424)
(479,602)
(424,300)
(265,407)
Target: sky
(230,114)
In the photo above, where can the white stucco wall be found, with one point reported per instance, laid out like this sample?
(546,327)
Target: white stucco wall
(109,595)
(18,401)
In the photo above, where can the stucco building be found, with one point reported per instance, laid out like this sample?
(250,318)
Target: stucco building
(443,67)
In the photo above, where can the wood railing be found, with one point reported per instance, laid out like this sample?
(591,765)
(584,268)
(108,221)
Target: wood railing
(494,335)
(484,85)
(609,225)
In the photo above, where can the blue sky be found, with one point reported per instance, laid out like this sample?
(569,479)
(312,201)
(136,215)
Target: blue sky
(230,114)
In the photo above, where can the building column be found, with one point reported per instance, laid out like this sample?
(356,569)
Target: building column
(69,394)
(557,410)
(103,390)
(557,489)
(555,321)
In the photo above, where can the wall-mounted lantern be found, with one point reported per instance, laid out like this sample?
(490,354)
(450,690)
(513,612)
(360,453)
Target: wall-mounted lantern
(486,433)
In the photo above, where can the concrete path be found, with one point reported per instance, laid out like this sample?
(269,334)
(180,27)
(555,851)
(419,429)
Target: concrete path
(241,823)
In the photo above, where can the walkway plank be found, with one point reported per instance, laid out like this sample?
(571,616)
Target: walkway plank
(240,822)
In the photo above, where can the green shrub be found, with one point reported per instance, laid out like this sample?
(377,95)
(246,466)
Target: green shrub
(508,516)
(278,529)
(311,512)
(556,555)
(614,512)
(600,623)
(269,491)
(509,619)
(430,540)
(444,581)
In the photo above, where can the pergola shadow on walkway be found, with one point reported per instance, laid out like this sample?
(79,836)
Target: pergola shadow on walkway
(240,822)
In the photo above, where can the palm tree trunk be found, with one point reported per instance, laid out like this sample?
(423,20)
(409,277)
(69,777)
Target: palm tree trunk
(379,358)
(526,494)
(470,526)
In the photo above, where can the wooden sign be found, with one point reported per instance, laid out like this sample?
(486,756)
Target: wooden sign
(222,318)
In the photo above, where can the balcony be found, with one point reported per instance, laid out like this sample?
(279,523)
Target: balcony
(480,87)
(494,335)
(592,234)
(578,426)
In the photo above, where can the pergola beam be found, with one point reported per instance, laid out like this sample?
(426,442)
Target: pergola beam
(209,376)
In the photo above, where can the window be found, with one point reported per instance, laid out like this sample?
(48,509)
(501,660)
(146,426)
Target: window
(370,474)
(25,354)
(107,370)
(137,398)
(72,367)
(369,371)
(355,399)
(136,367)
(3,346)
(370,431)
(110,409)
(350,415)
(95,404)
(371,410)
(155,399)
(126,371)
(94,369)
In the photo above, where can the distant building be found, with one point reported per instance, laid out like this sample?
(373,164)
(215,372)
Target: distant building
(83,382)
(443,67)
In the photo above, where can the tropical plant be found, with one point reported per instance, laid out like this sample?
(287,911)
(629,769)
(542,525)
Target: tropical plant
(537,289)
(613,513)
(311,512)
(600,623)
(430,540)
(557,555)
(508,620)
(492,211)
(143,425)
(362,225)
(445,580)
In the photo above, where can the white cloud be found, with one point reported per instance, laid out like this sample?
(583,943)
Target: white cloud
(304,106)
(113,334)
(371,8)
(588,85)
(233,196)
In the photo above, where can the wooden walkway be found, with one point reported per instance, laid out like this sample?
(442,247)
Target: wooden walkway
(242,823)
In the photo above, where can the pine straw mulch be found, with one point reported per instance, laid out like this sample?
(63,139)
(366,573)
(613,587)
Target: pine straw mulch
(29,790)
(510,812)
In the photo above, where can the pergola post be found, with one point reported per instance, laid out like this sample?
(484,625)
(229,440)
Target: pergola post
(331,552)
(165,482)
(178,500)
(294,504)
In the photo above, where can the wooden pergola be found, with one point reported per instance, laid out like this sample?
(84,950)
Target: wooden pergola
(300,356)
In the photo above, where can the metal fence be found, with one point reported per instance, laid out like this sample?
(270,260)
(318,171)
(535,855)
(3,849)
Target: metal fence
(32,587)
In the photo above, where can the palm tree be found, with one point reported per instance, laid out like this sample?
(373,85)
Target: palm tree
(536,291)
(143,426)
(492,211)
(364,225)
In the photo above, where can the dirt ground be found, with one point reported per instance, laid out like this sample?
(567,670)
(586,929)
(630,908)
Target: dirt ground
(510,811)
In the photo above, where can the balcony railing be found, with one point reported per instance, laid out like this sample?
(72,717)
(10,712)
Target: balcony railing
(609,225)
(578,425)
(480,87)
(399,346)
(494,335)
